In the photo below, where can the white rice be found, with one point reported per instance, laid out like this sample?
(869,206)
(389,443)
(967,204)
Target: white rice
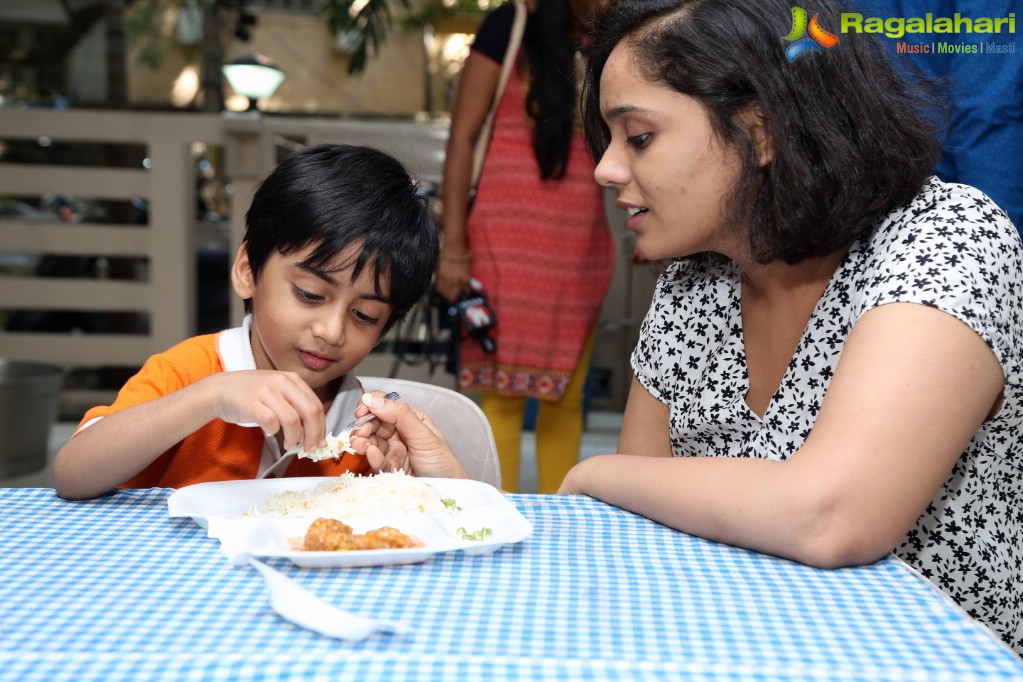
(349,496)
(332,448)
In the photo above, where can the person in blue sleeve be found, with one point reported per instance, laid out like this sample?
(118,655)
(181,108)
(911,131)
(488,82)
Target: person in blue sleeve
(983,127)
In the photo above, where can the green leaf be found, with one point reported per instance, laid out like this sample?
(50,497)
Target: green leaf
(475,536)
(372,22)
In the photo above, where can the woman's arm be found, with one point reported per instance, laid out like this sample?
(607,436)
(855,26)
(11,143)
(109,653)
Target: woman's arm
(477,85)
(913,386)
(645,427)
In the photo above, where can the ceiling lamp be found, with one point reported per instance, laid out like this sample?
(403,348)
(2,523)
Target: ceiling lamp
(253,76)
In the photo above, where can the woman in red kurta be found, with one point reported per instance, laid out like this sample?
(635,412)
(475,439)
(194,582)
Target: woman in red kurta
(536,238)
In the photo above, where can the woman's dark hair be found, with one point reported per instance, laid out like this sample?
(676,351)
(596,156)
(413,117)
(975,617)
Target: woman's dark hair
(552,96)
(849,139)
(336,196)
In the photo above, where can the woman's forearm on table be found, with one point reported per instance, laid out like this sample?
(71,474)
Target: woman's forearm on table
(756,504)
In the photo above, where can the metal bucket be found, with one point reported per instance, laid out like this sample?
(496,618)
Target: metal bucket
(29,400)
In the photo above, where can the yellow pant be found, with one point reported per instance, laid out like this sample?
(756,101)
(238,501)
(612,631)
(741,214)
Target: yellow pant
(559,429)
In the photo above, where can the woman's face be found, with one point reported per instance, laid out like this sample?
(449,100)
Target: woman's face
(671,173)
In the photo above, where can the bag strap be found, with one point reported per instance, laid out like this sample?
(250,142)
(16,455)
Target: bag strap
(483,141)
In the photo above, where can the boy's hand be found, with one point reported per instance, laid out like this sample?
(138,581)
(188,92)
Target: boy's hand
(275,400)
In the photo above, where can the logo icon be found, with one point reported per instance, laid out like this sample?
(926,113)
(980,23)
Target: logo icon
(818,38)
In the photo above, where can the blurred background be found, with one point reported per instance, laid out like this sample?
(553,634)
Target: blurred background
(379,57)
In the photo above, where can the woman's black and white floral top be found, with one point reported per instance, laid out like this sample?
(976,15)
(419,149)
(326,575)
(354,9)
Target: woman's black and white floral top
(952,248)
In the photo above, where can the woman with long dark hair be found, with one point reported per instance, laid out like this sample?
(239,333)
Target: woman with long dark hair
(536,237)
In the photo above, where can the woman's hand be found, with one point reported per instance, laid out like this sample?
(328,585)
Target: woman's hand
(452,278)
(407,439)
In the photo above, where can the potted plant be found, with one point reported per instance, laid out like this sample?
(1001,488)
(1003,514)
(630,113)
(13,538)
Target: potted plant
(362,25)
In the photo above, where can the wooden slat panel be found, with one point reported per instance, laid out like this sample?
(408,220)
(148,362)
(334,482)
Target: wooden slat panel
(83,349)
(169,297)
(52,293)
(173,273)
(26,179)
(420,146)
(75,239)
(125,127)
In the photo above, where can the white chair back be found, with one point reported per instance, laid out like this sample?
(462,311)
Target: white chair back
(460,420)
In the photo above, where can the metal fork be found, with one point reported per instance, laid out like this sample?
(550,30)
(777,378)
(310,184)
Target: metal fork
(345,435)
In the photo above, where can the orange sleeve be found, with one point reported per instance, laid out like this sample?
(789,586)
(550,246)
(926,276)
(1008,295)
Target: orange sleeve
(217,451)
(164,373)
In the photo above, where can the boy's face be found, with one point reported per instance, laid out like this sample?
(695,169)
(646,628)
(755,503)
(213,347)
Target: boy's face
(316,323)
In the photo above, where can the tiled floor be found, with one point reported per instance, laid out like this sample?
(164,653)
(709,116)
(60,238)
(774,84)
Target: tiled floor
(601,437)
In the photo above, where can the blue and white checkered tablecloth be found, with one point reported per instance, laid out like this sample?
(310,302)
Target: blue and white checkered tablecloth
(113,589)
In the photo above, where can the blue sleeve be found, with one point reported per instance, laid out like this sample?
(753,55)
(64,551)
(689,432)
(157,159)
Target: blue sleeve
(985,143)
(983,137)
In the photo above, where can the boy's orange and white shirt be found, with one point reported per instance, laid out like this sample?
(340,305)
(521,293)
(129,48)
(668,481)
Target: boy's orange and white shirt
(221,451)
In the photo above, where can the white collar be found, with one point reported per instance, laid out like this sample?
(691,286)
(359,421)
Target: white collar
(235,349)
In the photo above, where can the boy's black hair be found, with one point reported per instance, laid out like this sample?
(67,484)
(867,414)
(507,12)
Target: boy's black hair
(336,196)
(849,140)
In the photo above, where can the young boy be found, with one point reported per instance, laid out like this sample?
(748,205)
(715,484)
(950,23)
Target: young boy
(339,245)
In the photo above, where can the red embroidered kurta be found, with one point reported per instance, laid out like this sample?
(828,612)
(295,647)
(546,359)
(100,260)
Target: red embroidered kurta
(544,254)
